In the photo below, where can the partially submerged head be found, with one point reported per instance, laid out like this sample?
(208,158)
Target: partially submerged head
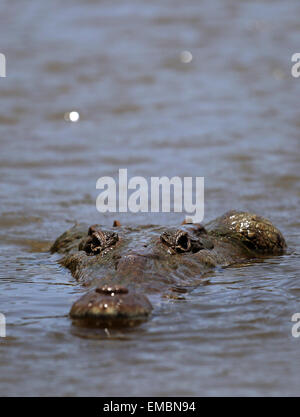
(111,306)
(230,237)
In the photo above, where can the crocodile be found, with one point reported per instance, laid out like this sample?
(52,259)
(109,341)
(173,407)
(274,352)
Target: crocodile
(125,268)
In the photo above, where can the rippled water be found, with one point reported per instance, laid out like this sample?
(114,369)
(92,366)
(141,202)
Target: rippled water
(231,115)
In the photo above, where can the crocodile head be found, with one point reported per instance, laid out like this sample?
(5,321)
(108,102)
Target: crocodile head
(149,260)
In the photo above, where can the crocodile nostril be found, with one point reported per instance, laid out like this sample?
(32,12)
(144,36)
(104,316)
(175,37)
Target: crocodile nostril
(107,290)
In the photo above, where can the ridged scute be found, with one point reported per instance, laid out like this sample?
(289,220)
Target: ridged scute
(253,231)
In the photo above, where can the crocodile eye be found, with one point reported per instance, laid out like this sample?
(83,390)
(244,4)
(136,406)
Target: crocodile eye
(178,240)
(98,240)
(183,242)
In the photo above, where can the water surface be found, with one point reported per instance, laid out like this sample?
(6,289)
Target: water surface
(231,115)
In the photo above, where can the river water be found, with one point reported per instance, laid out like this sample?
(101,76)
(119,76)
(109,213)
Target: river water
(231,115)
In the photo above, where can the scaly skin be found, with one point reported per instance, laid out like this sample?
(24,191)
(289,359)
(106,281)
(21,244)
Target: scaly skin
(124,268)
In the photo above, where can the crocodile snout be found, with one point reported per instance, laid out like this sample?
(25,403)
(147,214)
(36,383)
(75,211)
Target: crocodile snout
(111,306)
